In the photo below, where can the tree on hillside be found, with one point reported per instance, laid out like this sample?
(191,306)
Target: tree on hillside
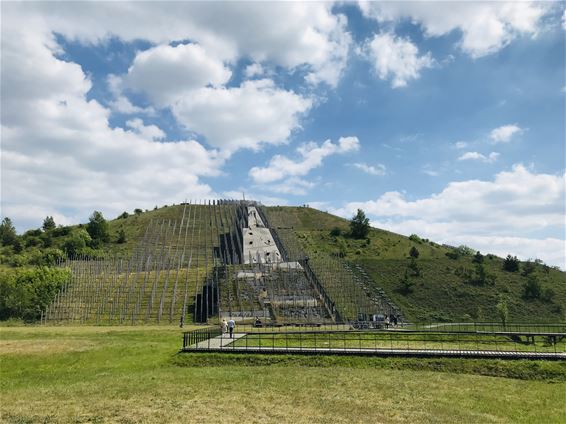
(97,227)
(405,284)
(138,211)
(511,263)
(414,267)
(7,232)
(532,289)
(414,252)
(75,244)
(121,236)
(503,310)
(478,258)
(48,223)
(359,225)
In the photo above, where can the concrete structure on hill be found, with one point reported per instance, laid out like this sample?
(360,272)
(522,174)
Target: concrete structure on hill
(259,245)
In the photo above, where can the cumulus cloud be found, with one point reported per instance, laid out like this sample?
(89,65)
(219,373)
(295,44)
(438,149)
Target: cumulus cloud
(59,154)
(378,169)
(396,58)
(485,27)
(294,35)
(516,206)
(504,133)
(460,145)
(491,158)
(166,73)
(311,157)
(231,118)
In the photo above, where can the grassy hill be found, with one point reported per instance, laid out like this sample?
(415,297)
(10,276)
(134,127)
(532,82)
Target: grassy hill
(446,287)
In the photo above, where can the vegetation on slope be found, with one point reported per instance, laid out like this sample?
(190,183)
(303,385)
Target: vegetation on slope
(434,282)
(427,280)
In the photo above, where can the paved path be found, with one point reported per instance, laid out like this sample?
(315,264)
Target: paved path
(217,342)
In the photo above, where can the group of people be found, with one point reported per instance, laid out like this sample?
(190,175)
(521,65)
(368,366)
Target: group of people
(228,327)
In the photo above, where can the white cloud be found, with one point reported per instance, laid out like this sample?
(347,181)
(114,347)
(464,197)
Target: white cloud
(378,169)
(293,35)
(485,27)
(396,58)
(59,154)
(147,132)
(122,104)
(518,205)
(167,73)
(312,156)
(242,117)
(491,158)
(460,145)
(504,133)
(294,186)
(254,70)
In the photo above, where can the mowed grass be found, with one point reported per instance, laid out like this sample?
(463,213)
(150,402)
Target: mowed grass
(135,374)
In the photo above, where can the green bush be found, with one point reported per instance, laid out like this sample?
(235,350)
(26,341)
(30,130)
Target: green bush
(25,292)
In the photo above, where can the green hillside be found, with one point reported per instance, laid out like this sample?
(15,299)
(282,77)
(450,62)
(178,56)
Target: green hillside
(442,283)
(446,288)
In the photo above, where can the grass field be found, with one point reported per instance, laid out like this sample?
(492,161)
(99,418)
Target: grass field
(134,374)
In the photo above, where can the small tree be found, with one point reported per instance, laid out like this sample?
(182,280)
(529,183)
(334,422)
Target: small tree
(121,236)
(405,284)
(138,211)
(7,232)
(528,268)
(123,215)
(511,264)
(532,289)
(359,225)
(97,227)
(48,223)
(503,310)
(414,252)
(413,266)
(478,258)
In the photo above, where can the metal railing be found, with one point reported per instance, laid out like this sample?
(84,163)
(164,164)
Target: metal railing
(343,341)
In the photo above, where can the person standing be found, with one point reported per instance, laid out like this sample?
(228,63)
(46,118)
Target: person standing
(231,326)
(224,326)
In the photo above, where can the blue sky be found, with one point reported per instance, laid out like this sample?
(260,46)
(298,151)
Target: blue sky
(443,119)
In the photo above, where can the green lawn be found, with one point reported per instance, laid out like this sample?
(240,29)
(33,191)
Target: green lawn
(134,374)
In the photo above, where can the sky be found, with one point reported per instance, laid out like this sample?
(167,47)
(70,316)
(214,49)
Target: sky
(442,119)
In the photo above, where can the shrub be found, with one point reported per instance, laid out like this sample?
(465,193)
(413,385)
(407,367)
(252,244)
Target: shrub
(414,252)
(511,264)
(121,236)
(335,232)
(24,293)
(532,289)
(415,238)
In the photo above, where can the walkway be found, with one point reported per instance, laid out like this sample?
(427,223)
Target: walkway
(217,342)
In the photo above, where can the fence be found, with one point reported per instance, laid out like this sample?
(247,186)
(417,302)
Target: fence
(462,342)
